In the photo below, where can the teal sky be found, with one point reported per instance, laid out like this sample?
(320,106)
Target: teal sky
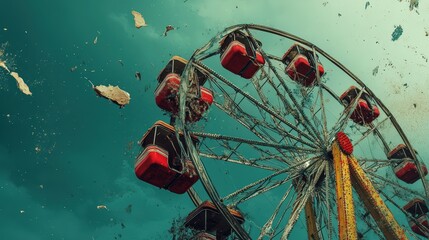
(88,145)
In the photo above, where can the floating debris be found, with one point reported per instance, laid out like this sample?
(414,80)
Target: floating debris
(397,33)
(138,76)
(4,29)
(22,211)
(414,4)
(21,84)
(72,69)
(167,29)
(128,209)
(3,65)
(37,149)
(96,40)
(367,5)
(120,62)
(415,105)
(113,93)
(375,71)
(102,207)
(138,19)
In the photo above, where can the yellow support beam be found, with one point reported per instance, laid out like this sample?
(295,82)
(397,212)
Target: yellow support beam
(310,215)
(346,211)
(373,202)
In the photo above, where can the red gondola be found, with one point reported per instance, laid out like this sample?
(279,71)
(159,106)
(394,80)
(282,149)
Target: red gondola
(159,163)
(239,55)
(176,65)
(206,217)
(366,111)
(419,223)
(300,65)
(166,95)
(400,152)
(405,170)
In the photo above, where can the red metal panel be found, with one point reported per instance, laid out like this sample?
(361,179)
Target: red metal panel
(407,171)
(300,70)
(165,94)
(253,66)
(363,114)
(166,98)
(200,106)
(206,96)
(186,179)
(236,60)
(152,167)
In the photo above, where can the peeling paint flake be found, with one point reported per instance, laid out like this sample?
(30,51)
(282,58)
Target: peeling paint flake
(138,19)
(3,65)
(102,207)
(113,93)
(397,33)
(21,84)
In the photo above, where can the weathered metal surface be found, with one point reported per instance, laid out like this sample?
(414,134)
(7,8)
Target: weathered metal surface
(373,202)
(346,214)
(310,216)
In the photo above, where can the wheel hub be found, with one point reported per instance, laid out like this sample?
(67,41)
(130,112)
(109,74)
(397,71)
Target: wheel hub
(344,142)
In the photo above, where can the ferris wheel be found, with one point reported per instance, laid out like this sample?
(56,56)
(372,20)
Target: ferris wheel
(273,138)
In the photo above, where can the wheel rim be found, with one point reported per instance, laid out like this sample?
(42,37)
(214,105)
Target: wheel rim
(292,134)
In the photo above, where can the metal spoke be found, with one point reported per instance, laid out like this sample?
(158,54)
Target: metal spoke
(253,142)
(327,203)
(313,131)
(255,102)
(300,201)
(404,212)
(267,228)
(259,182)
(322,104)
(285,102)
(288,205)
(280,160)
(242,117)
(290,169)
(369,131)
(287,133)
(264,189)
(395,184)
(256,123)
(251,163)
